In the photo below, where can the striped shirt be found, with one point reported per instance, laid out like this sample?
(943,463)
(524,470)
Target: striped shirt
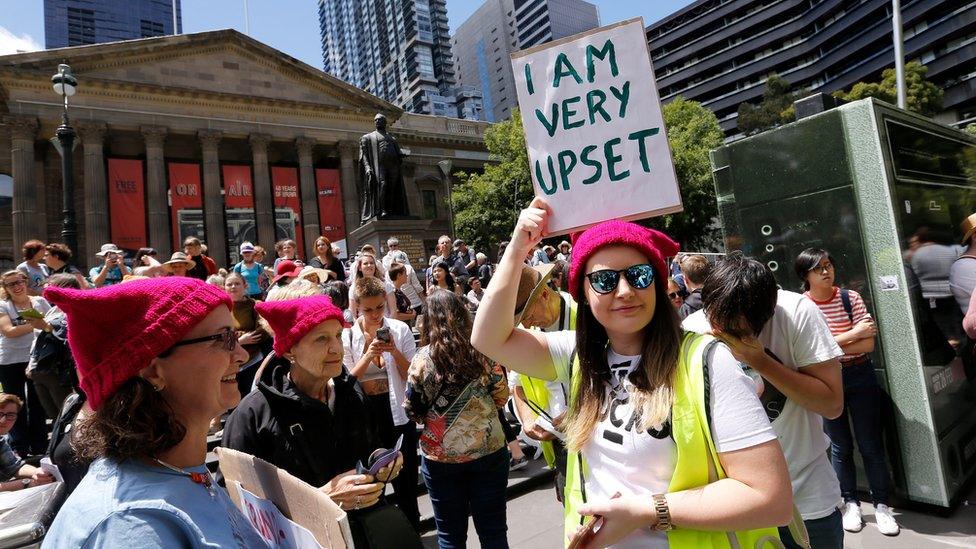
(837,319)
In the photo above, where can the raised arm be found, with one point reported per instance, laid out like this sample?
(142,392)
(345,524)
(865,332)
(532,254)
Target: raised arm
(495,333)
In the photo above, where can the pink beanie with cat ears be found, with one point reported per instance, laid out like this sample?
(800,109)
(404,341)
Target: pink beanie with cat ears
(654,244)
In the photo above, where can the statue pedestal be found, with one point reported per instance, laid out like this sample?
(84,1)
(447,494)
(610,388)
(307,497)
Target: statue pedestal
(410,231)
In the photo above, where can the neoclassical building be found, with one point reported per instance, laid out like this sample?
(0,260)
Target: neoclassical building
(214,135)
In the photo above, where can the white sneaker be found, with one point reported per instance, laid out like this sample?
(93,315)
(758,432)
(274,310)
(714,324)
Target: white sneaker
(887,524)
(851,513)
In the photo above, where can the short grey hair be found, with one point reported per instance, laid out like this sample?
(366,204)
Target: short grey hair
(481,257)
(392,240)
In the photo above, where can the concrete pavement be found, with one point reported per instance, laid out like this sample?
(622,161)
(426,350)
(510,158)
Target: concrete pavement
(535,522)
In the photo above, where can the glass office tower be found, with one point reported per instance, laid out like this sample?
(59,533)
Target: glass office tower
(861,181)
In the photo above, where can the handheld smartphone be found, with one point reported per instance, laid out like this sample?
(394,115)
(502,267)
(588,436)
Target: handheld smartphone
(380,458)
(383,334)
(589,530)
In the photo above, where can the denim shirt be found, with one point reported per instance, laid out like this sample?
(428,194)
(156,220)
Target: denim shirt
(10,462)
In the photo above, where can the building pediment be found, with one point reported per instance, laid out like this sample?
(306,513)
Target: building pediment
(211,65)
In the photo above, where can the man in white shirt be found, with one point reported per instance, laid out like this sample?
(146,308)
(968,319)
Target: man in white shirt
(394,254)
(378,351)
(783,337)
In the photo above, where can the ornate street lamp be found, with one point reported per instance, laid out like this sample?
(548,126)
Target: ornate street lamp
(64,84)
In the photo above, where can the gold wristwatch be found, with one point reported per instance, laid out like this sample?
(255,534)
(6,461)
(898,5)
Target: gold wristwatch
(663,513)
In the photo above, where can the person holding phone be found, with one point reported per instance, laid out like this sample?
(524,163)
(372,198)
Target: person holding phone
(112,270)
(377,351)
(692,470)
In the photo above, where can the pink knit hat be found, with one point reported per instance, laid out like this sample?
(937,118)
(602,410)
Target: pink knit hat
(117,330)
(654,244)
(291,319)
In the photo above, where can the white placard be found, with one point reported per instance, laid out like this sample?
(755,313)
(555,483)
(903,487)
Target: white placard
(273,526)
(594,130)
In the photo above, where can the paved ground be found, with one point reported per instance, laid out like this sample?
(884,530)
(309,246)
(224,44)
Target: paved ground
(535,522)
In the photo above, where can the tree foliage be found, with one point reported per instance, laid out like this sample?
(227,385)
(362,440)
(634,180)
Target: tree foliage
(693,131)
(486,205)
(922,96)
(775,109)
(970,129)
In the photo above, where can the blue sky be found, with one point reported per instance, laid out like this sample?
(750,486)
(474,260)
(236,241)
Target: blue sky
(288,25)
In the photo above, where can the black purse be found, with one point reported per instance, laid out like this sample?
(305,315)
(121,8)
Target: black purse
(380,526)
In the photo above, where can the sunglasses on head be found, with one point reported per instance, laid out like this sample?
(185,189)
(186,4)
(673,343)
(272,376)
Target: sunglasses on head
(605,281)
(227,337)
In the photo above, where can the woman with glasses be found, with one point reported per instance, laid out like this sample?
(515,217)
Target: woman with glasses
(157,360)
(21,318)
(660,421)
(13,466)
(675,294)
(854,330)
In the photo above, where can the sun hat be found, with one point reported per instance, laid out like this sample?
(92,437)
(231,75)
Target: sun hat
(109,249)
(532,281)
(968,227)
(654,244)
(292,319)
(323,274)
(246,247)
(176,259)
(117,330)
(286,269)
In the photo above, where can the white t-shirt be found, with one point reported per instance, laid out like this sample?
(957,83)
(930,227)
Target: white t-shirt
(17,349)
(798,335)
(622,459)
(353,346)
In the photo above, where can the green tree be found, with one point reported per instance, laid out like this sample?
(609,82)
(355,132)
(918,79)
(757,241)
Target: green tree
(693,131)
(971,129)
(486,205)
(775,109)
(922,95)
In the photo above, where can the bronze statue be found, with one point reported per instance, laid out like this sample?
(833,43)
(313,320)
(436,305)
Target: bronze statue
(384,194)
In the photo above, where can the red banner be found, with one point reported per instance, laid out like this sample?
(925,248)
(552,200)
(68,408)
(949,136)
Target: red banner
(238,189)
(127,203)
(186,202)
(332,222)
(287,203)
(239,203)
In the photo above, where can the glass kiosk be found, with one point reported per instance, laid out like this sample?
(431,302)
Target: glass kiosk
(865,181)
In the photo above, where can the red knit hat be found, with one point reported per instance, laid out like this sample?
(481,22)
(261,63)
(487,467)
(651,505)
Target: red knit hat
(292,319)
(117,330)
(654,244)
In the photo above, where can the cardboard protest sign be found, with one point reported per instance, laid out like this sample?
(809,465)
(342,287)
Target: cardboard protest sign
(297,501)
(594,130)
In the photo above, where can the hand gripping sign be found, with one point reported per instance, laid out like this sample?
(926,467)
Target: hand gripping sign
(594,130)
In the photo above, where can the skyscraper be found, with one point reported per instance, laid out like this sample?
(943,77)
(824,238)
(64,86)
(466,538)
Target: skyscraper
(483,43)
(398,50)
(80,22)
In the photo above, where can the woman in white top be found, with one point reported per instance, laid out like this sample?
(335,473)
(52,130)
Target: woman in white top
(620,416)
(367,266)
(20,315)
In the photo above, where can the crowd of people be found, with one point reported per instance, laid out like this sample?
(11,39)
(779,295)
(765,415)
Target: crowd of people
(649,380)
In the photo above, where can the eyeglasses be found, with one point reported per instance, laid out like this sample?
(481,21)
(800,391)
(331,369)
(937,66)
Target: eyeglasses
(605,281)
(228,339)
(9,416)
(14,284)
(674,295)
(822,268)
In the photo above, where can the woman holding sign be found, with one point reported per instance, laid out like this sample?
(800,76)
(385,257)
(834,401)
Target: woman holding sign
(668,444)
(156,359)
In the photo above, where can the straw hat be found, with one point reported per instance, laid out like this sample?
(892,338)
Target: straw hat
(531,283)
(308,271)
(178,258)
(968,226)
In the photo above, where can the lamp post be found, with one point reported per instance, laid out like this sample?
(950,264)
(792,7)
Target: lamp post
(64,84)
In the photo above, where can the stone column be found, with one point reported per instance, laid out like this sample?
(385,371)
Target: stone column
(263,199)
(348,162)
(213,198)
(96,189)
(23,130)
(310,202)
(160,236)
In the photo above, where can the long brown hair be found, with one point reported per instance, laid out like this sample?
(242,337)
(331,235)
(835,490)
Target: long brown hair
(653,381)
(447,330)
(328,245)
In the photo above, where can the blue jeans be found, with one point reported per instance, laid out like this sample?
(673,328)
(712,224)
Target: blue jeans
(862,407)
(476,489)
(825,533)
